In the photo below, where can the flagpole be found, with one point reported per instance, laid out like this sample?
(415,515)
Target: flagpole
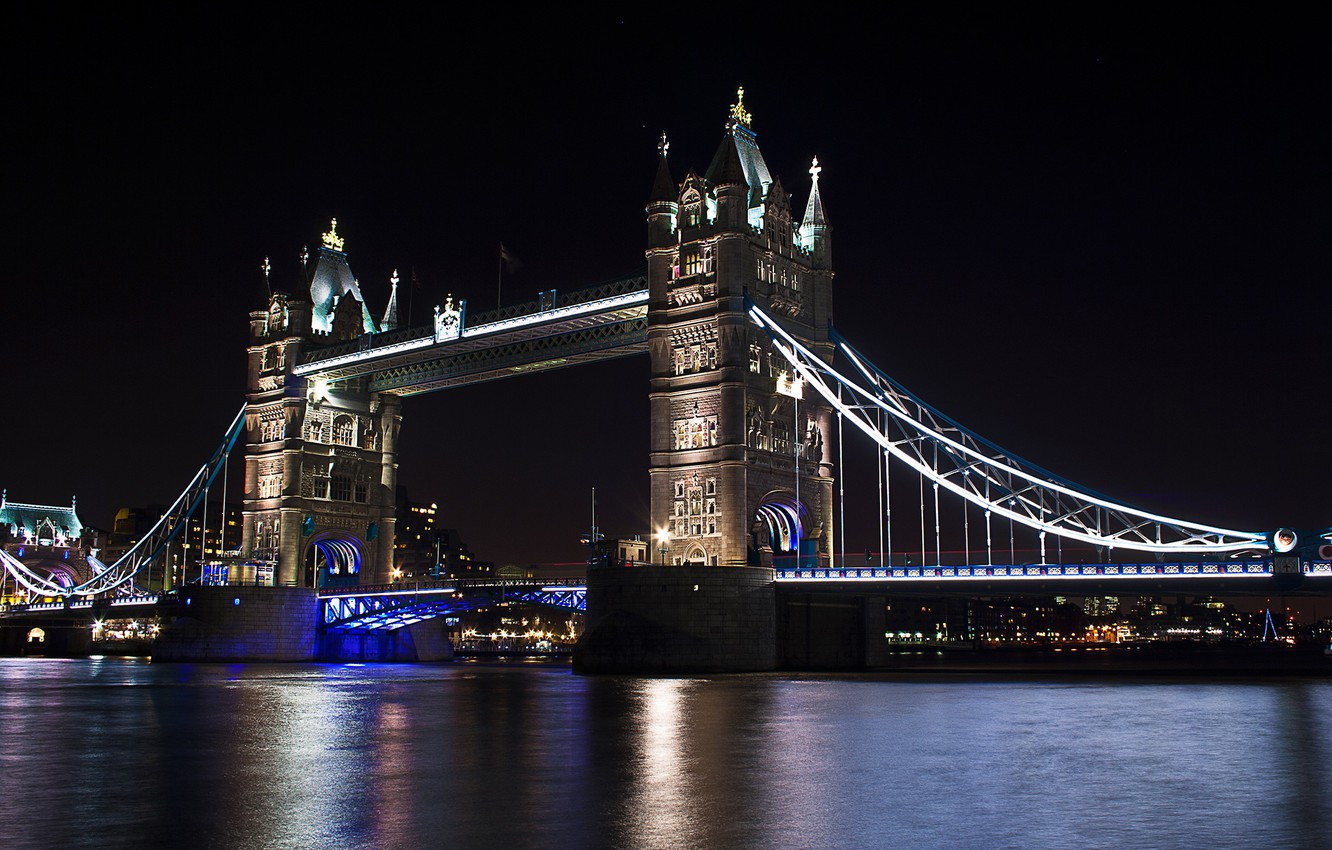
(411,296)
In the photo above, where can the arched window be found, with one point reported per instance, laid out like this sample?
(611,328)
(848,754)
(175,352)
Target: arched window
(344,431)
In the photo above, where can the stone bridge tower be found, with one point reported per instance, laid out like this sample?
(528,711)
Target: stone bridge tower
(741,470)
(320,461)
(741,458)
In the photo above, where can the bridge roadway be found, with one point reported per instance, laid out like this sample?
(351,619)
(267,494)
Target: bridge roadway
(387,607)
(597,323)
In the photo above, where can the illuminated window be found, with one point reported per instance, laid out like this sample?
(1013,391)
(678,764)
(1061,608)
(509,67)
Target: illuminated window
(344,431)
(693,261)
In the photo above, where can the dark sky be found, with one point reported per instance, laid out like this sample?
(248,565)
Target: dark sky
(1100,240)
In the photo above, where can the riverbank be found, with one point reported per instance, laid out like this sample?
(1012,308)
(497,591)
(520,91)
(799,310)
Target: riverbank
(1146,659)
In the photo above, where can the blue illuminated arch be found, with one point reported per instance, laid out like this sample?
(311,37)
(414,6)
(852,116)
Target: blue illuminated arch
(336,559)
(783,518)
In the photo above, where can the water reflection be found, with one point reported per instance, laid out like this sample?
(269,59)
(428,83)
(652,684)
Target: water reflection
(122,754)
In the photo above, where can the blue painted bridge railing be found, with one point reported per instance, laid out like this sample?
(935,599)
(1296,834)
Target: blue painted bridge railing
(1203,569)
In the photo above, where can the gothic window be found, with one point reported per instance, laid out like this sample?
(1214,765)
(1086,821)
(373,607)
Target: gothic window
(342,488)
(755,359)
(270,485)
(712,486)
(707,260)
(321,488)
(271,429)
(282,357)
(712,355)
(693,262)
(679,489)
(344,431)
(314,431)
(362,491)
(266,360)
(675,266)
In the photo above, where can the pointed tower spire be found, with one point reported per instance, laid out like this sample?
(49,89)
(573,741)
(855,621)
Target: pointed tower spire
(814,214)
(391,311)
(266,292)
(663,188)
(815,231)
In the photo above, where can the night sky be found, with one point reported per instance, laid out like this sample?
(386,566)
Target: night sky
(1100,241)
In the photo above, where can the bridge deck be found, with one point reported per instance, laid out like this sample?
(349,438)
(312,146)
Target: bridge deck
(592,324)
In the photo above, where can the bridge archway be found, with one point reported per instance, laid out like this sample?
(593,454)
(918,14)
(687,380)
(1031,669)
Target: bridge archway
(782,527)
(333,559)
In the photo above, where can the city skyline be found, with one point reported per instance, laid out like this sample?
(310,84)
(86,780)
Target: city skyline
(1102,248)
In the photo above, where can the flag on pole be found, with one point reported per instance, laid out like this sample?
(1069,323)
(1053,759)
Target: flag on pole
(510,262)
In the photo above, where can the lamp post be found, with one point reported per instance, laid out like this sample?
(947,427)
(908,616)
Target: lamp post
(662,537)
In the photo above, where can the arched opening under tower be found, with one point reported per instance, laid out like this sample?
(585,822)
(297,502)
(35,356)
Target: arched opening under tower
(780,533)
(333,560)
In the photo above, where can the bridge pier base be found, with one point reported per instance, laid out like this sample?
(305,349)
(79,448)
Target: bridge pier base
(240,624)
(831,631)
(424,641)
(678,619)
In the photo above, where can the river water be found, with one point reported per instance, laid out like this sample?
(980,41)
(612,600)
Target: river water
(124,753)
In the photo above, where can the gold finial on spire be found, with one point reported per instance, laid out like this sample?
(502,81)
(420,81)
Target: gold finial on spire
(332,239)
(393,278)
(663,145)
(815,169)
(740,115)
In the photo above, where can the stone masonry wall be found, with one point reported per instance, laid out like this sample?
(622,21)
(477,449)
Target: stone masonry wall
(675,619)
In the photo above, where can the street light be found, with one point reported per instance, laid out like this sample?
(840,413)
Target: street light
(662,537)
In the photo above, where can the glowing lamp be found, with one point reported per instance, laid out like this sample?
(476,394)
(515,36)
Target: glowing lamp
(1283,540)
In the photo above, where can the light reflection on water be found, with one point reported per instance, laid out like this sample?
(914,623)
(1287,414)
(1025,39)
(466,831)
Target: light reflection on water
(120,753)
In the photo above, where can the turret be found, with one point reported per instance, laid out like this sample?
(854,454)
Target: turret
(391,311)
(727,180)
(662,206)
(815,231)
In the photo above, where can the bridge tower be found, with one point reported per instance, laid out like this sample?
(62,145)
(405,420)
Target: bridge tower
(320,460)
(741,465)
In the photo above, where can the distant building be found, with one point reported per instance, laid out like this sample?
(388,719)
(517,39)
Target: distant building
(422,549)
(50,540)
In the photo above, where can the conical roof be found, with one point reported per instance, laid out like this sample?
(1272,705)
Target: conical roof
(726,167)
(814,214)
(663,187)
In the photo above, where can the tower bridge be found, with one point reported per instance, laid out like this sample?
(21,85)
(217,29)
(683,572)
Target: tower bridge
(751,390)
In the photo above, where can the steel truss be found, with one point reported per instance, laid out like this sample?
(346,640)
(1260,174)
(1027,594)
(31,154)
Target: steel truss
(382,610)
(118,577)
(970,466)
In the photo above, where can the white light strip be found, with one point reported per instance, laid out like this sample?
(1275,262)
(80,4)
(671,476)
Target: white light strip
(383,351)
(628,299)
(1028,577)
(813,377)
(391,593)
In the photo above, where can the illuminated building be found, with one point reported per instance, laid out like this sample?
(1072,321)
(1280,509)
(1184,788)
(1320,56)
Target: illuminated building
(320,460)
(740,466)
(424,550)
(48,539)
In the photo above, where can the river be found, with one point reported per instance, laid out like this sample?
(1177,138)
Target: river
(108,753)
